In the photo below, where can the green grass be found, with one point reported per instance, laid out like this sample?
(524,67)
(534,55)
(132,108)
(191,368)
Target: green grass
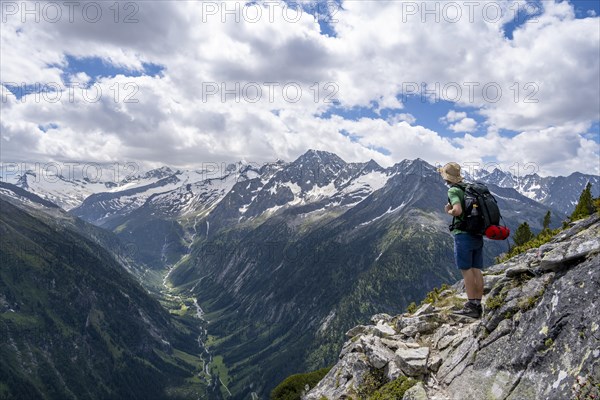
(450,301)
(188,358)
(495,302)
(393,390)
(183,310)
(436,299)
(372,381)
(542,238)
(434,296)
(526,304)
(218,366)
(293,386)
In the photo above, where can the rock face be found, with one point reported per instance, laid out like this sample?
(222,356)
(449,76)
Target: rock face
(539,337)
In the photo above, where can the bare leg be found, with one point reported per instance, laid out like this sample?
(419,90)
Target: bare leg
(473,283)
(478,283)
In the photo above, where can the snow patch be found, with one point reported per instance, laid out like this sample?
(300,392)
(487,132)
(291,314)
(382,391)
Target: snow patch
(389,211)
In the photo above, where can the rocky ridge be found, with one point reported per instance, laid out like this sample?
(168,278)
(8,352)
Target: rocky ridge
(539,337)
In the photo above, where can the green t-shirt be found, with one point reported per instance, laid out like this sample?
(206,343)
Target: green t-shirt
(457,195)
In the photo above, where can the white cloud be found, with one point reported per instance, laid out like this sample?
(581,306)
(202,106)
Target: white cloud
(397,118)
(378,53)
(454,116)
(462,122)
(551,151)
(464,125)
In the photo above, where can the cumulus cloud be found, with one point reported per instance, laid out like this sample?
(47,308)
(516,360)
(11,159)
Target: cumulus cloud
(464,125)
(454,116)
(550,151)
(461,122)
(397,118)
(259,89)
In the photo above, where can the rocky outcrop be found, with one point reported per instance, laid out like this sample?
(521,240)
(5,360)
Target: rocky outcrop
(539,337)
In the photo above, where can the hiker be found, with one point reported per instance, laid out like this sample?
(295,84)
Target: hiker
(468,247)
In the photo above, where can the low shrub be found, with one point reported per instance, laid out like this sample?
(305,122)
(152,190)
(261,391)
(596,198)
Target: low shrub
(292,387)
(393,390)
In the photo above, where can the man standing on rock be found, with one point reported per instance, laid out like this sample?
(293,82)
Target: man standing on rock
(468,247)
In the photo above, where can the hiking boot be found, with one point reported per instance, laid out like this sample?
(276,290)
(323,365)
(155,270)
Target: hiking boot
(471,310)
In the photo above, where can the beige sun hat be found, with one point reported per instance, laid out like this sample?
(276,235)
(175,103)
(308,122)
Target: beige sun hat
(451,172)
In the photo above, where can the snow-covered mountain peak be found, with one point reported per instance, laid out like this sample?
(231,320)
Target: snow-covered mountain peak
(413,167)
(371,166)
(317,179)
(22,179)
(320,157)
(159,173)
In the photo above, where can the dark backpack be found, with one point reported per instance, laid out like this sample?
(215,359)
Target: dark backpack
(481,214)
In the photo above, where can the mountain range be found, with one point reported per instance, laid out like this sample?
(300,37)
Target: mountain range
(283,258)
(126,190)
(75,324)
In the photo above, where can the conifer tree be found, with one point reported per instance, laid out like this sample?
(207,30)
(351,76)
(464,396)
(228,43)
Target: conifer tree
(523,234)
(585,205)
(546,222)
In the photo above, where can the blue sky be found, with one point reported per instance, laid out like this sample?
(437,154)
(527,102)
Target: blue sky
(96,67)
(368,51)
(430,113)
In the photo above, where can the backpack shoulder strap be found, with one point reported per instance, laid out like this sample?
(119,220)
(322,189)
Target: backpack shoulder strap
(462,187)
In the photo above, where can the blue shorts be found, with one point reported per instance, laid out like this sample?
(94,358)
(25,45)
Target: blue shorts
(468,251)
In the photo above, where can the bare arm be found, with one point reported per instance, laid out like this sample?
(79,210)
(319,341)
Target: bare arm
(455,210)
